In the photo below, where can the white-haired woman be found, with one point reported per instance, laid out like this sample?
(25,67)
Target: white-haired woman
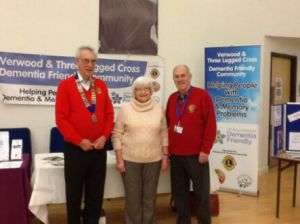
(140,140)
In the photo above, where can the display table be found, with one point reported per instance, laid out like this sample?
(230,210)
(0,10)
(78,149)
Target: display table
(291,161)
(49,184)
(15,193)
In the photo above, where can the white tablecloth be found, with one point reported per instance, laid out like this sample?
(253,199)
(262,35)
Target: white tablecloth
(49,185)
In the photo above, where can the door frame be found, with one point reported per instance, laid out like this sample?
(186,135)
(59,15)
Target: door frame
(293,93)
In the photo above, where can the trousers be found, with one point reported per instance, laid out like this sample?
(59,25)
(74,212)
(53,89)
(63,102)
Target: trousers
(84,172)
(186,169)
(140,184)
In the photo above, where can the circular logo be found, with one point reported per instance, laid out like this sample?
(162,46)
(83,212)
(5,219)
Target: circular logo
(98,90)
(244,181)
(229,162)
(156,86)
(154,73)
(192,108)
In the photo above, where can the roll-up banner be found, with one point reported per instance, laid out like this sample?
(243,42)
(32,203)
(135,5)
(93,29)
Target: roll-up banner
(232,77)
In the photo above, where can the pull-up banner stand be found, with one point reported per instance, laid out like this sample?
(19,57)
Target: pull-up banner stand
(232,77)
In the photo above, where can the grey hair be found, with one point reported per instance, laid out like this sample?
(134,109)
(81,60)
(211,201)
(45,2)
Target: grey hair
(142,81)
(85,48)
(187,69)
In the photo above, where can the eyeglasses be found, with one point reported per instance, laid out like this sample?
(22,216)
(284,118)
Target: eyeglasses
(142,90)
(87,61)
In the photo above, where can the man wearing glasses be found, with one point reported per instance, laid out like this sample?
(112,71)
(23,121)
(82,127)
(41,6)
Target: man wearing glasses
(84,116)
(192,131)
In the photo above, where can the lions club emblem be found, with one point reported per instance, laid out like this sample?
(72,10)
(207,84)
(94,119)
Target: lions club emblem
(229,162)
(192,108)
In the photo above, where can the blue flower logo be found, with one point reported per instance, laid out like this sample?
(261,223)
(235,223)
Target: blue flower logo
(219,137)
(116,98)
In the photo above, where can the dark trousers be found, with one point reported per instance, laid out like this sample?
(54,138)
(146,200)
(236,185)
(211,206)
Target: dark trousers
(140,183)
(84,171)
(184,169)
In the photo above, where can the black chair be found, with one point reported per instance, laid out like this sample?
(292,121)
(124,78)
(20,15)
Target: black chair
(56,140)
(20,133)
(108,144)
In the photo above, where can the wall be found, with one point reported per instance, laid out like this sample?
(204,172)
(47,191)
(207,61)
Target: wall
(55,27)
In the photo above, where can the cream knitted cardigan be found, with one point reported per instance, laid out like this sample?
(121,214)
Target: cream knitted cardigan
(140,131)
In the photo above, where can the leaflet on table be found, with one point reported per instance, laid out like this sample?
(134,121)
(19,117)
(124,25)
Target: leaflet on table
(10,164)
(55,160)
(293,154)
(4,145)
(16,149)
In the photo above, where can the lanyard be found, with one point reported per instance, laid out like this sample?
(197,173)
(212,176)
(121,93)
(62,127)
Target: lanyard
(178,112)
(91,107)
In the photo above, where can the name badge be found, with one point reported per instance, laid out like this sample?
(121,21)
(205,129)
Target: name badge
(178,129)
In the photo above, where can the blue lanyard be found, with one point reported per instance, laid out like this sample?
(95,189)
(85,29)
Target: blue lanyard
(178,112)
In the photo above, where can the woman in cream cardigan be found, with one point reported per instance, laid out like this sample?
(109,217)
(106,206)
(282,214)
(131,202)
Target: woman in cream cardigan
(140,140)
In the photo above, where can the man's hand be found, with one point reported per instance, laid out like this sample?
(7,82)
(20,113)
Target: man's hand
(86,145)
(203,157)
(99,143)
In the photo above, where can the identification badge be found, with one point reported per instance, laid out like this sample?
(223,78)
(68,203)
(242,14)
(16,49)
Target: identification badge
(178,129)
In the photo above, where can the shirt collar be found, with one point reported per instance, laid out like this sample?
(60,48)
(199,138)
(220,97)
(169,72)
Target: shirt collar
(85,84)
(181,98)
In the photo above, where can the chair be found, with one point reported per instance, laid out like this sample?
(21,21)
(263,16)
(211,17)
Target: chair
(20,133)
(56,140)
(108,144)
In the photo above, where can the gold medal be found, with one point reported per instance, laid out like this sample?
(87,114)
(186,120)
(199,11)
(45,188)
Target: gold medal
(94,118)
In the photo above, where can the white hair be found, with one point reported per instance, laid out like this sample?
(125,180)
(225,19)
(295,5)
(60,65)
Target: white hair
(78,52)
(187,69)
(142,81)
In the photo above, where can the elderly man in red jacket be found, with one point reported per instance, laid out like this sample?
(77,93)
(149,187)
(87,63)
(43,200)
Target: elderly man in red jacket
(192,131)
(84,116)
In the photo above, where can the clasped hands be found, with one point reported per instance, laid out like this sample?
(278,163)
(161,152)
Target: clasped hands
(98,144)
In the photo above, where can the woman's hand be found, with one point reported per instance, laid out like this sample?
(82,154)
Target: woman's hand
(120,165)
(165,162)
